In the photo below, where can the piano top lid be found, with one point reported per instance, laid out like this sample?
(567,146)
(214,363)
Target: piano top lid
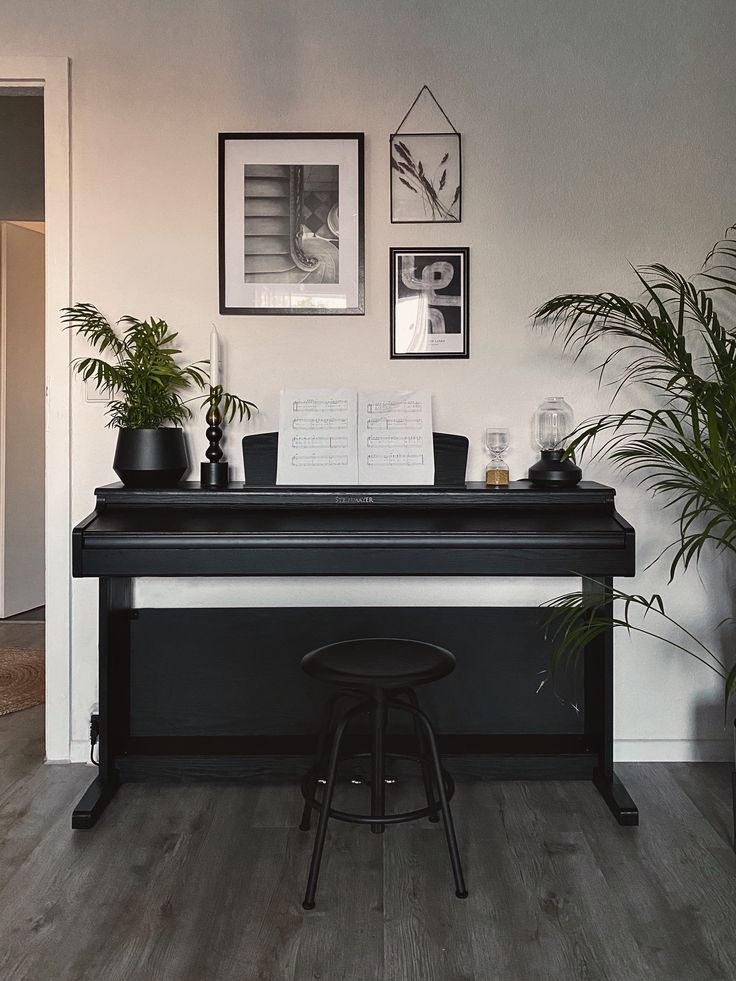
(519,493)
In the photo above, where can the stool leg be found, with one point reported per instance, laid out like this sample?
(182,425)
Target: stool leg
(313,777)
(378,768)
(426,769)
(460,891)
(324,814)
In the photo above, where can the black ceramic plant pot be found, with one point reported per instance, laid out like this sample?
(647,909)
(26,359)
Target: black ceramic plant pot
(150,457)
(553,471)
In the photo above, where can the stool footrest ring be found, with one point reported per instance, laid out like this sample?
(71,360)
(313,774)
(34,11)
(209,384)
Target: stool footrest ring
(398,818)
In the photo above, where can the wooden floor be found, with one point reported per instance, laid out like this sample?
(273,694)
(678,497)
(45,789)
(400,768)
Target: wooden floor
(204,883)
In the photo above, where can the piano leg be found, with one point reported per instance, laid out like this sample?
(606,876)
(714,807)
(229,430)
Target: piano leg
(93,802)
(617,797)
(114,696)
(599,714)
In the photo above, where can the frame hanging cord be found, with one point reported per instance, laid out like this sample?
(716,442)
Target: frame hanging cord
(424,88)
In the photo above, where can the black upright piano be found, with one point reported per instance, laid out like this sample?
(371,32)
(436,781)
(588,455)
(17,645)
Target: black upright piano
(200,693)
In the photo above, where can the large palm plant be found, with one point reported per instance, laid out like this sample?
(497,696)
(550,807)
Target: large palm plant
(678,341)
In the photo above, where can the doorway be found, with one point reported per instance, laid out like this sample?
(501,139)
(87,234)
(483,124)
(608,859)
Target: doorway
(22,400)
(50,77)
(22,442)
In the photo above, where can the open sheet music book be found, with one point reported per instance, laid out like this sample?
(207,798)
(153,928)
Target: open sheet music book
(341,437)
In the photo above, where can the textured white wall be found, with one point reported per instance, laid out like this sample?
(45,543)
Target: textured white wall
(594,133)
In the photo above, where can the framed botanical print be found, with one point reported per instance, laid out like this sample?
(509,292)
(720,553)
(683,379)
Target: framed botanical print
(426,167)
(291,211)
(425,177)
(430,289)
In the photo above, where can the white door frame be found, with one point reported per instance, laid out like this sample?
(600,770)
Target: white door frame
(52,74)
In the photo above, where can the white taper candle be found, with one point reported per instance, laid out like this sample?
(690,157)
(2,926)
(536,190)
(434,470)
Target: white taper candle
(214,357)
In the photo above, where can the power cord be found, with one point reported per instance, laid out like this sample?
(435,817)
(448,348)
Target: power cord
(94,735)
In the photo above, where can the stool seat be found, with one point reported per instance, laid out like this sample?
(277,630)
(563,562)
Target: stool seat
(379,662)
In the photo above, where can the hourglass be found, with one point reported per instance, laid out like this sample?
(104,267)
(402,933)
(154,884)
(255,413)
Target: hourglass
(497,471)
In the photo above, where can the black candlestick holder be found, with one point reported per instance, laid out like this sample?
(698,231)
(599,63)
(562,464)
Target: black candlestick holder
(215,472)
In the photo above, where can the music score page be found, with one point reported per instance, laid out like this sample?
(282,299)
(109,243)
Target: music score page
(340,437)
(395,438)
(318,433)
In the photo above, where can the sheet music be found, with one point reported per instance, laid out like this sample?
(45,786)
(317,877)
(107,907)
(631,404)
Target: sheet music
(318,437)
(395,443)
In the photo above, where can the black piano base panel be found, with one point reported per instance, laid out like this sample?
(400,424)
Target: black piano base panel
(217,694)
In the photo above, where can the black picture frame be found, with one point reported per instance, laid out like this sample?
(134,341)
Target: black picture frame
(278,234)
(415,184)
(409,341)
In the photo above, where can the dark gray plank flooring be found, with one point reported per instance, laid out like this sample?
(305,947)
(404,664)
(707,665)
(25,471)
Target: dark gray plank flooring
(204,883)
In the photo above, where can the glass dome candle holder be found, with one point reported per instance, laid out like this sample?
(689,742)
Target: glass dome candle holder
(497,471)
(553,423)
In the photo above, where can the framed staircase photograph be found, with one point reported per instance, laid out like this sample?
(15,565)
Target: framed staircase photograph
(291,237)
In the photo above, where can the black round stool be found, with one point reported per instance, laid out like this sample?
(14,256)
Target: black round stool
(375,675)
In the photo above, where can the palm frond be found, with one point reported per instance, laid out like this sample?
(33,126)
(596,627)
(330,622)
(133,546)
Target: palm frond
(229,405)
(87,321)
(106,377)
(146,383)
(577,619)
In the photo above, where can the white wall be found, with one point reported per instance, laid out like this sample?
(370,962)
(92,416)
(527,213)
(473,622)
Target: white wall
(595,133)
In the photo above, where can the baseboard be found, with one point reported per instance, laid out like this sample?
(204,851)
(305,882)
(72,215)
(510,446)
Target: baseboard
(79,751)
(269,768)
(674,750)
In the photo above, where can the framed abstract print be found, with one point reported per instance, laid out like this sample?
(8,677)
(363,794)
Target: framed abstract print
(430,290)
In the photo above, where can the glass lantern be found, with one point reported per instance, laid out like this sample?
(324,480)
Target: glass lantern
(553,423)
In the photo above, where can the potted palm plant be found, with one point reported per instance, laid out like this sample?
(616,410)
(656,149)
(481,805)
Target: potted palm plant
(146,386)
(678,342)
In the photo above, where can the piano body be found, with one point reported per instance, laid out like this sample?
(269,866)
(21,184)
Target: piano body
(202,692)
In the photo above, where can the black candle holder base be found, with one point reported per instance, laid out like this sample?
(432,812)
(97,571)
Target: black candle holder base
(213,474)
(552,471)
